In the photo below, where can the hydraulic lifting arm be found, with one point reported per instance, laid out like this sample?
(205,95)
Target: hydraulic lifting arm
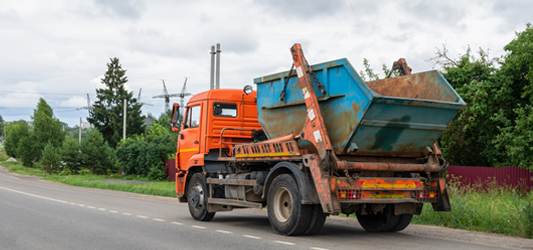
(314,131)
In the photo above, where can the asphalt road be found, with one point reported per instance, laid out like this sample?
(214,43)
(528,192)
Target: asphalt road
(36,214)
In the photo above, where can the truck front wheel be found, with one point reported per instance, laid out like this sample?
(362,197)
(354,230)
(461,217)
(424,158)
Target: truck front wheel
(286,213)
(197,198)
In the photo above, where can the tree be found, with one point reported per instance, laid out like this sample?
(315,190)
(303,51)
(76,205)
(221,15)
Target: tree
(107,112)
(50,159)
(515,138)
(26,151)
(47,128)
(144,155)
(96,154)
(469,138)
(2,125)
(15,131)
(494,130)
(70,154)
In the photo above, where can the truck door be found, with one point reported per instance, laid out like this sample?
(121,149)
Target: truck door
(189,138)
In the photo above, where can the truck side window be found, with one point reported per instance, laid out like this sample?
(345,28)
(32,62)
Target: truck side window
(194,114)
(225,109)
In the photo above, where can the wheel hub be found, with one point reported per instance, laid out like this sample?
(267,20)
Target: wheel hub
(282,204)
(197,197)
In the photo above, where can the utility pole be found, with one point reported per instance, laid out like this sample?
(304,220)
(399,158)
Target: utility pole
(212,82)
(124,130)
(218,67)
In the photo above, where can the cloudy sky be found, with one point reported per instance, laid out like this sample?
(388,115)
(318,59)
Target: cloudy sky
(58,49)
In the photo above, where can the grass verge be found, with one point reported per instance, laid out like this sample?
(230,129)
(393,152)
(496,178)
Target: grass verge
(497,209)
(159,188)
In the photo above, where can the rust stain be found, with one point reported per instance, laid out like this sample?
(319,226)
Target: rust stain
(416,86)
(279,122)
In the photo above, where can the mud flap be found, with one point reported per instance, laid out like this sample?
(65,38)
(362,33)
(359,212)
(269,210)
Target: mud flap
(443,204)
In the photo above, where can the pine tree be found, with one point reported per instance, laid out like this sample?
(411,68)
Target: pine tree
(50,160)
(70,154)
(107,112)
(46,128)
(97,156)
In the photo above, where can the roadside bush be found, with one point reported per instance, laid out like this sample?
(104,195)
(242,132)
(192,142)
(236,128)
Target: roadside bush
(97,156)
(70,154)
(50,161)
(84,171)
(144,155)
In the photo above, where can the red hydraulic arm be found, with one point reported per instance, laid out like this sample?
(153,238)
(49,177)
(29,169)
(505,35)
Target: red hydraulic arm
(314,131)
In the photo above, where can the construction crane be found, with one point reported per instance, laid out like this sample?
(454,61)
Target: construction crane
(182,96)
(139,99)
(89,106)
(167,96)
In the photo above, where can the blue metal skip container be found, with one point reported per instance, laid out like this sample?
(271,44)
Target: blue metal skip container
(396,117)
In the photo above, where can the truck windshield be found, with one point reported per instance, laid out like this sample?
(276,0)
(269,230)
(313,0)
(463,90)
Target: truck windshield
(225,109)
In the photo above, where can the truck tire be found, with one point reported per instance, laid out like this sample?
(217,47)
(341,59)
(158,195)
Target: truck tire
(286,213)
(381,222)
(318,218)
(197,198)
(403,221)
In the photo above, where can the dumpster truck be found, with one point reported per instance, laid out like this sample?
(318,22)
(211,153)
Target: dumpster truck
(315,141)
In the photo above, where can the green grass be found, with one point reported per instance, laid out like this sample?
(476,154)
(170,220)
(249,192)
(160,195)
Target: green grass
(500,210)
(16,167)
(3,155)
(159,188)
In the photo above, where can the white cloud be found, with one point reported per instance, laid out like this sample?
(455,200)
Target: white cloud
(75,101)
(58,49)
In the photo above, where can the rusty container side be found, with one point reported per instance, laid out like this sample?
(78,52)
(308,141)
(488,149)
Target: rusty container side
(391,117)
(407,114)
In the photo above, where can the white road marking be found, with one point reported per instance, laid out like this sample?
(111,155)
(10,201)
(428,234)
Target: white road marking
(34,195)
(199,227)
(113,211)
(81,205)
(285,242)
(318,248)
(91,207)
(252,237)
(158,219)
(126,214)
(142,216)
(224,232)
(72,203)
(177,223)
(102,209)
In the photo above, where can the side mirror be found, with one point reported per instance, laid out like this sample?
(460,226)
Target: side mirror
(174,122)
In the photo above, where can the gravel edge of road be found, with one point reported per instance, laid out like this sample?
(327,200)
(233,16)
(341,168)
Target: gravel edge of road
(482,238)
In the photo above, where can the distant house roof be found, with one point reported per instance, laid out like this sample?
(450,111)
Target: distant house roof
(148,121)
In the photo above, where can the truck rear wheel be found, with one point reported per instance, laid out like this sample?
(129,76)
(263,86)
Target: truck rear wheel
(383,221)
(318,218)
(286,213)
(403,221)
(197,198)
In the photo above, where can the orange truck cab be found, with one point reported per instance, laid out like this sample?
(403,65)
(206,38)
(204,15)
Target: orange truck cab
(214,121)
